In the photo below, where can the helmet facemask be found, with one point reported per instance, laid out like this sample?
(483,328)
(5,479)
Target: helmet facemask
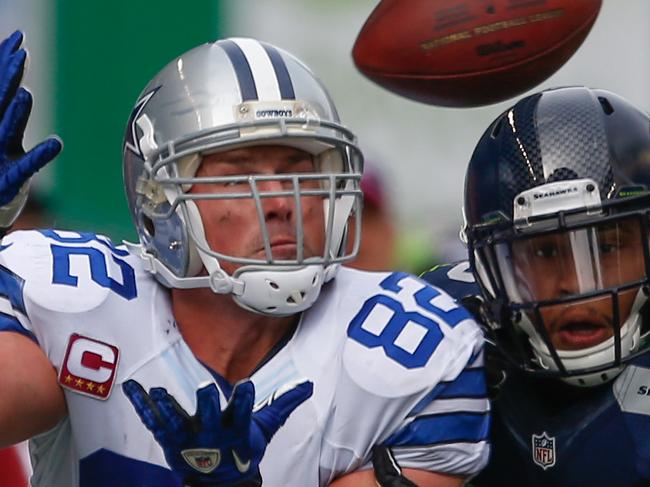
(569,277)
(257,283)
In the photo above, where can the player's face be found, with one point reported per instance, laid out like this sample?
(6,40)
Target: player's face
(559,265)
(232,226)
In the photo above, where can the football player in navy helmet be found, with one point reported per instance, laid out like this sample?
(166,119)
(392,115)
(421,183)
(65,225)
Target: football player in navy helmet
(557,208)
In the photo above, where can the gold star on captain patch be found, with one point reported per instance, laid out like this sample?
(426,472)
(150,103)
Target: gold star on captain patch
(90,386)
(101,389)
(68,379)
(79,383)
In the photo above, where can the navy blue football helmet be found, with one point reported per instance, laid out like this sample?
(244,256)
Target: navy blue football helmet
(556,207)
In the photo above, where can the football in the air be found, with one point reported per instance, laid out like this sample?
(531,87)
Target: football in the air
(466,53)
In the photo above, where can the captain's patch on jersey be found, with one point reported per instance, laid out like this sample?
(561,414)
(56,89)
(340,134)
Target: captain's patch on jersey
(89,367)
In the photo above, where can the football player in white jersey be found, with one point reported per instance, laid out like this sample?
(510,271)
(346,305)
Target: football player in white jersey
(220,349)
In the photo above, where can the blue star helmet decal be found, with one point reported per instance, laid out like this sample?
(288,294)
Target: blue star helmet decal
(132,141)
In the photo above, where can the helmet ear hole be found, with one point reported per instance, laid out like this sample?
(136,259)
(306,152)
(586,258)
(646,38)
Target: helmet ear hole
(497,128)
(608,109)
(149,227)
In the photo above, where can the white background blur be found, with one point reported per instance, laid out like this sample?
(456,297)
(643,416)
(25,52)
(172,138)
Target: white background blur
(423,149)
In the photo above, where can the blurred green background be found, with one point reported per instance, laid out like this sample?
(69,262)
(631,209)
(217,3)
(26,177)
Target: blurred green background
(125,42)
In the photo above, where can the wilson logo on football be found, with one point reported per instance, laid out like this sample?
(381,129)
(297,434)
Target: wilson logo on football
(89,367)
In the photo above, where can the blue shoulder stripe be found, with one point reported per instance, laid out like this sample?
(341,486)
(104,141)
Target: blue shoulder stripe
(435,429)
(11,286)
(470,384)
(9,323)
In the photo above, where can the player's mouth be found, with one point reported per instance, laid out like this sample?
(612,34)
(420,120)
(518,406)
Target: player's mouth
(579,334)
(282,248)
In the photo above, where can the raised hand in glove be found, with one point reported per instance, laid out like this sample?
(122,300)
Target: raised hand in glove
(387,470)
(215,447)
(17,166)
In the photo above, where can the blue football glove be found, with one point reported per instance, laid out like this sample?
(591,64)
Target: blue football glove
(16,166)
(215,447)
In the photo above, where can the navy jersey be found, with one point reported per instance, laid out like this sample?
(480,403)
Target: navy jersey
(547,433)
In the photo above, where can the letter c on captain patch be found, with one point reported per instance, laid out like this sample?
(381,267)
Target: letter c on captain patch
(89,367)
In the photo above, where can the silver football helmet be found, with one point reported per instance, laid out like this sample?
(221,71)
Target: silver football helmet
(228,94)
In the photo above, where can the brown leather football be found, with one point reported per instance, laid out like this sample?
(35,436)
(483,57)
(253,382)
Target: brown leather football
(465,53)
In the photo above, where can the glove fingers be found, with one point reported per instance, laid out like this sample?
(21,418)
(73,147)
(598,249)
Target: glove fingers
(208,406)
(8,48)
(275,412)
(239,411)
(12,127)
(22,169)
(11,73)
(36,158)
(10,45)
(174,417)
(144,406)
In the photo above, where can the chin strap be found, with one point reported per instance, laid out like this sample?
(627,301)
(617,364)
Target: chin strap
(282,291)
(218,281)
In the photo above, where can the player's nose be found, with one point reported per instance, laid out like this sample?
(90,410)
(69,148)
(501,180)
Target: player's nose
(277,198)
(567,281)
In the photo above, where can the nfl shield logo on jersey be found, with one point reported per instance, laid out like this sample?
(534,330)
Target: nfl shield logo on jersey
(544,450)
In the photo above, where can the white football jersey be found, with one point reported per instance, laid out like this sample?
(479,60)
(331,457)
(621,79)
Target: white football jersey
(393,361)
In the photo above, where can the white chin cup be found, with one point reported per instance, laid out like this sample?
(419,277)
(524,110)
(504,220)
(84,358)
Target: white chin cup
(281,291)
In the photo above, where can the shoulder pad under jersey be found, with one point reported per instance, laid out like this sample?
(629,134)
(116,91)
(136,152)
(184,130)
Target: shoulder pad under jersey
(68,271)
(456,279)
(407,335)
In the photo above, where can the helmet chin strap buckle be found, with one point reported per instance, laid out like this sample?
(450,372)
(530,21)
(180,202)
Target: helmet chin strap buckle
(222,283)
(138,249)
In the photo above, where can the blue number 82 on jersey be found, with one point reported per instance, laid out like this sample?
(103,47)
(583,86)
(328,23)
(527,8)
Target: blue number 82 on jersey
(404,321)
(78,245)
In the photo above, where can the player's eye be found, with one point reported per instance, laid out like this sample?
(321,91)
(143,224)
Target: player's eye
(230,184)
(608,247)
(611,240)
(545,250)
